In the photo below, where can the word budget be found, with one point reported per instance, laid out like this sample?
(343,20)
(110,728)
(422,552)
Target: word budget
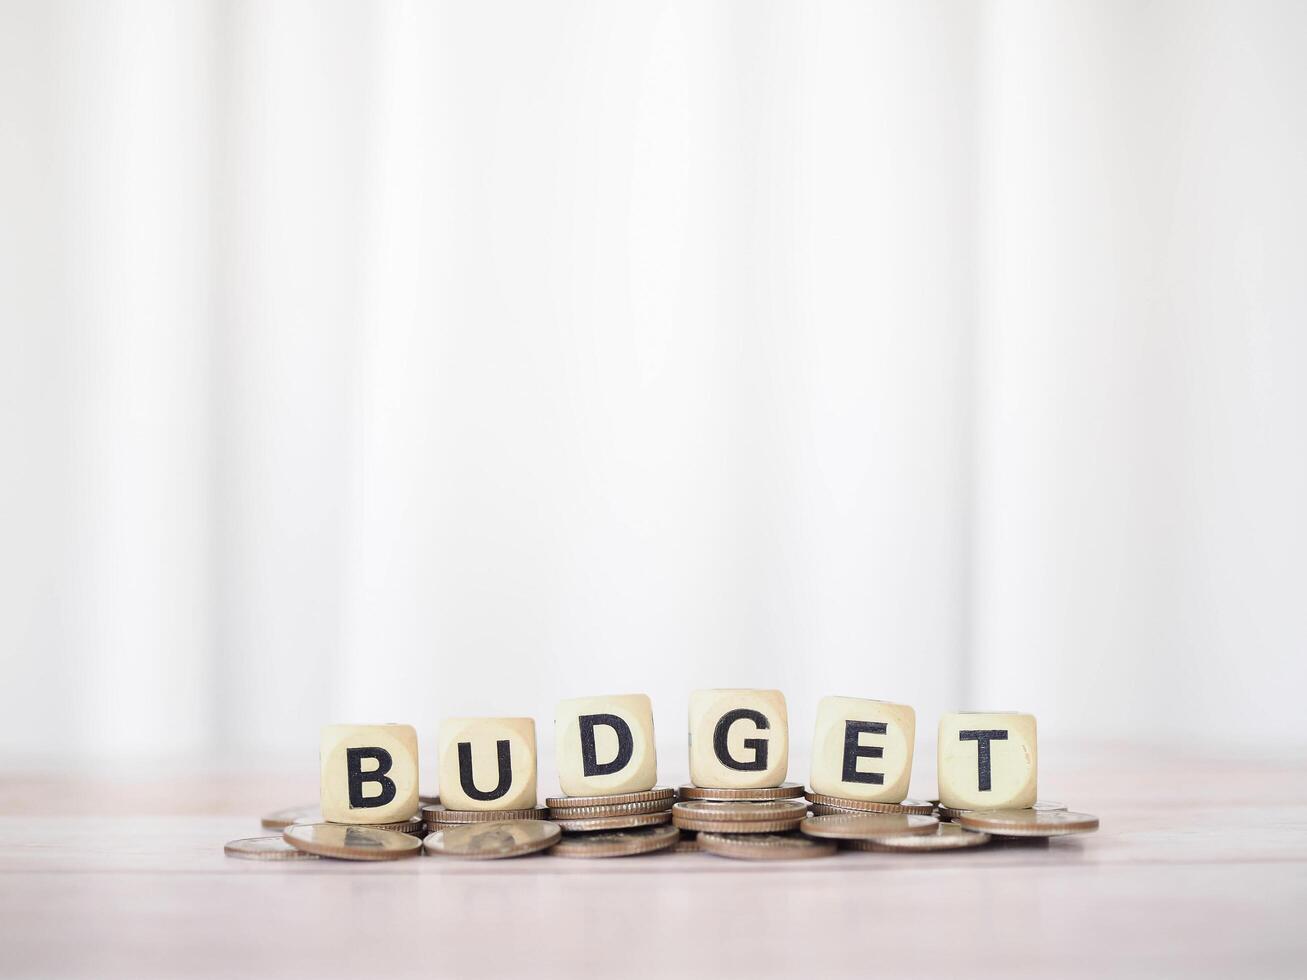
(738,740)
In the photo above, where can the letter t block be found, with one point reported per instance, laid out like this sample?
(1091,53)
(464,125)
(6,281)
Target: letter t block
(738,739)
(369,773)
(987,760)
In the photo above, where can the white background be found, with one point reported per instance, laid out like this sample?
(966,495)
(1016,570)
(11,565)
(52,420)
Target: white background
(386,362)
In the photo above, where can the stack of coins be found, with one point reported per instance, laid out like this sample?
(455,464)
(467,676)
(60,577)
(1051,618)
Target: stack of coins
(436,817)
(823,805)
(748,811)
(615,825)
(310,813)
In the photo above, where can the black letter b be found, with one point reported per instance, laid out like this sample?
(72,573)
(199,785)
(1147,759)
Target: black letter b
(357,777)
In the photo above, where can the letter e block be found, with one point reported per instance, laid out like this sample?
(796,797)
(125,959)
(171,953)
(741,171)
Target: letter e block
(862,749)
(487,763)
(605,745)
(987,760)
(369,773)
(738,739)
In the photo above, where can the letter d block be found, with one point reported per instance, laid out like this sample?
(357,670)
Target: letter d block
(369,773)
(738,739)
(987,760)
(863,749)
(605,745)
(487,763)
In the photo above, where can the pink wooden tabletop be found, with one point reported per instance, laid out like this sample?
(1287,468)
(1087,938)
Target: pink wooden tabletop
(1200,869)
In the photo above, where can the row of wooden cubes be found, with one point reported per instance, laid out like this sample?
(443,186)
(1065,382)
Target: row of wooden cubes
(739,738)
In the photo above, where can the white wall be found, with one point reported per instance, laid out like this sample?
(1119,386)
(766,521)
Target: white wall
(401,361)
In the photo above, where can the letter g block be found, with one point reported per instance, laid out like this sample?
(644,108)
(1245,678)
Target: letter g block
(988,760)
(369,773)
(605,745)
(738,738)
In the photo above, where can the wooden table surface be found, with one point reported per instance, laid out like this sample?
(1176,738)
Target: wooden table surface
(1200,869)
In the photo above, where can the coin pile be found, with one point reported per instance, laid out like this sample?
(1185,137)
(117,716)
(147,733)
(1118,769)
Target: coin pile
(918,826)
(436,817)
(757,824)
(616,825)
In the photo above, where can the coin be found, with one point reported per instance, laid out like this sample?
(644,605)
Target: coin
(280,819)
(949,837)
(726,794)
(868,826)
(644,796)
(706,810)
(1029,823)
(738,826)
(612,810)
(351,842)
(488,841)
(617,822)
(265,849)
(617,843)
(764,847)
(688,844)
(839,804)
(413,825)
(435,813)
(950,813)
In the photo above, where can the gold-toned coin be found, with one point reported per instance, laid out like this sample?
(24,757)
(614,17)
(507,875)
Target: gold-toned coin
(949,813)
(351,843)
(489,841)
(738,826)
(868,826)
(644,796)
(702,810)
(764,847)
(688,844)
(617,822)
(612,810)
(280,819)
(435,813)
(1029,823)
(617,843)
(265,849)
(727,794)
(839,804)
(949,837)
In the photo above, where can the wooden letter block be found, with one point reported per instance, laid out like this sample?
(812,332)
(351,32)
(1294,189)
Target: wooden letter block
(369,773)
(738,738)
(987,760)
(605,745)
(863,749)
(487,763)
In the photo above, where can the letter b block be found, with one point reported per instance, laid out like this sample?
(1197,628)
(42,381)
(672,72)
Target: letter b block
(605,745)
(863,749)
(738,738)
(369,773)
(487,763)
(987,760)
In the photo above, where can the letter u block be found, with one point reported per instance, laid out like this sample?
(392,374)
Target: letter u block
(987,760)
(738,738)
(605,745)
(487,763)
(369,773)
(862,749)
